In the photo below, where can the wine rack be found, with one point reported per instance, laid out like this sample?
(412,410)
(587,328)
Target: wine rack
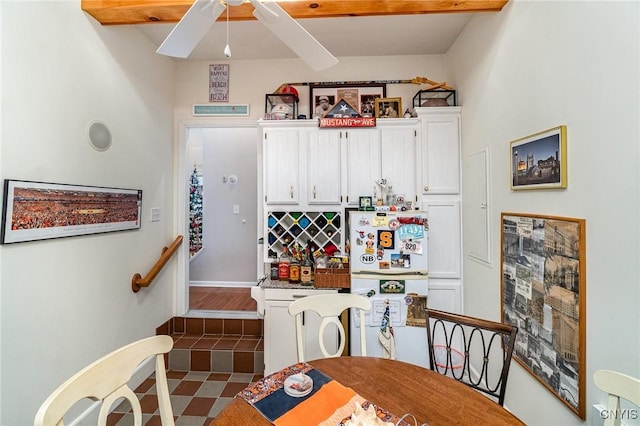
(285,228)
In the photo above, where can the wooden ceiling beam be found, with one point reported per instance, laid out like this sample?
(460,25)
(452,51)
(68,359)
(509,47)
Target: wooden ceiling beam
(127,12)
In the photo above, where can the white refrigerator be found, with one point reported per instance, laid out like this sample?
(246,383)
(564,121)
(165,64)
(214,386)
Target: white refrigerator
(388,254)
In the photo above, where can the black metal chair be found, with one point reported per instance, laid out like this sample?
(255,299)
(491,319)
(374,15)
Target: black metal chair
(462,347)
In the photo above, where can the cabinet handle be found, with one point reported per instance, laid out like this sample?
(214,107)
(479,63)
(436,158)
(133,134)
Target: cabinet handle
(426,189)
(291,191)
(314,192)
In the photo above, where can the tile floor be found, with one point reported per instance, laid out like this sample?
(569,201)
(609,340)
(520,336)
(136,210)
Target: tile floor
(211,361)
(196,397)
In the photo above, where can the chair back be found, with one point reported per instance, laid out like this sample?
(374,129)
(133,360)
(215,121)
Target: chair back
(473,351)
(329,307)
(617,385)
(106,380)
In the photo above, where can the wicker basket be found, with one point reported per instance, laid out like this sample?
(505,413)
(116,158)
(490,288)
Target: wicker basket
(332,278)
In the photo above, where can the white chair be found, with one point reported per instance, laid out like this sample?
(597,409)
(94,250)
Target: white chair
(329,307)
(617,385)
(106,380)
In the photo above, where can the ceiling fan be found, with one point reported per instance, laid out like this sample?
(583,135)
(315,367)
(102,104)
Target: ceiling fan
(195,24)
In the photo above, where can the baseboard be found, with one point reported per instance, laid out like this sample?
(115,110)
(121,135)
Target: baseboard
(227,284)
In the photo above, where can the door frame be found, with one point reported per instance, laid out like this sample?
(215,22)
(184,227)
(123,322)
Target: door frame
(183,170)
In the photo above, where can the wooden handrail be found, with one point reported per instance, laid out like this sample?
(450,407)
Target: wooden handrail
(137,282)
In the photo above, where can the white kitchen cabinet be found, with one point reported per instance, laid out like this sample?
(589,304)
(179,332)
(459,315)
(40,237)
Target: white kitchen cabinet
(323,166)
(279,329)
(445,295)
(444,237)
(441,198)
(363,164)
(389,151)
(281,166)
(440,150)
(399,154)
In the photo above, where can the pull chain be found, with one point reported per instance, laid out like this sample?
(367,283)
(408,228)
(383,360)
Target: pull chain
(227,49)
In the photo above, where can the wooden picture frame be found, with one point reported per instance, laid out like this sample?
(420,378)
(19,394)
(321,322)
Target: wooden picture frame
(388,108)
(539,161)
(543,293)
(360,96)
(40,211)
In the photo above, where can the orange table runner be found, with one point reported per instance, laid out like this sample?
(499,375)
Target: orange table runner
(329,403)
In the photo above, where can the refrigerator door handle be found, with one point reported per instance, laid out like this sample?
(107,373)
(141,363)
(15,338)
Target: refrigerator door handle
(400,274)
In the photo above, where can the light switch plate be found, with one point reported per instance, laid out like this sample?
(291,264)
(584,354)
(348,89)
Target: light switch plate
(155,214)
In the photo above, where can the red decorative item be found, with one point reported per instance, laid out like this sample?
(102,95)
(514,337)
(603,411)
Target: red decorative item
(290,90)
(330,249)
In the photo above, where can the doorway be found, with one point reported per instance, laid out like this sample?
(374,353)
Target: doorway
(218,276)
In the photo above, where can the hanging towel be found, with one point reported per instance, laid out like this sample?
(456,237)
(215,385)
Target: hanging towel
(386,337)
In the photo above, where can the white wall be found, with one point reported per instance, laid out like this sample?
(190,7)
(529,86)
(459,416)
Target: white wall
(534,66)
(251,80)
(230,240)
(66,302)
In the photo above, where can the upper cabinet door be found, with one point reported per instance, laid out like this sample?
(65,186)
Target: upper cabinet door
(282,166)
(399,148)
(323,167)
(440,150)
(363,164)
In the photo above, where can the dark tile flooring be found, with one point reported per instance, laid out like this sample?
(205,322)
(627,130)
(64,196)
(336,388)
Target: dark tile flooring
(196,397)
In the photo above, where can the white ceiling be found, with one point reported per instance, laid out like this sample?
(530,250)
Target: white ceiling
(352,36)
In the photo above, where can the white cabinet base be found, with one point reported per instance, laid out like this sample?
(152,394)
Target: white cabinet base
(280,333)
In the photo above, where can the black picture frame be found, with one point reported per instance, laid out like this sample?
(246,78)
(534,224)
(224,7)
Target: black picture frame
(34,211)
(365,203)
(360,96)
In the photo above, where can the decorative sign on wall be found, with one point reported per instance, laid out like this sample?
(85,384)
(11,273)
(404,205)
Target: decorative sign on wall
(347,122)
(228,110)
(219,83)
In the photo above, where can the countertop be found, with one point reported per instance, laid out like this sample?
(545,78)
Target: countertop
(257,292)
(284,284)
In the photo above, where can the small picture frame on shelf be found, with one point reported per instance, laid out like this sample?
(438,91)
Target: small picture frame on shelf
(362,97)
(365,203)
(388,107)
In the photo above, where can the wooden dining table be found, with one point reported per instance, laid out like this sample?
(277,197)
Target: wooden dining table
(399,388)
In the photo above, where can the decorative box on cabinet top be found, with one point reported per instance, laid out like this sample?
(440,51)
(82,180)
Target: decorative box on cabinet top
(434,98)
(281,106)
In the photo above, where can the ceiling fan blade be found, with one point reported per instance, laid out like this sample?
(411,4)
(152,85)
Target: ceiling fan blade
(293,35)
(192,28)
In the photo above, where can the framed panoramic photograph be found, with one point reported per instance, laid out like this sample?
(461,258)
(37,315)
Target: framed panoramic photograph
(388,108)
(543,293)
(39,211)
(539,161)
(361,97)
